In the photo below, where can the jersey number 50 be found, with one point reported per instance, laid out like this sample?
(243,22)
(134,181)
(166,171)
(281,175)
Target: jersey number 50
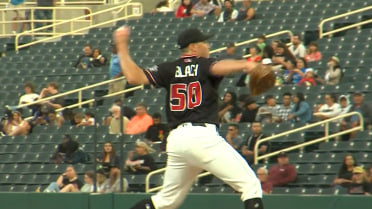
(183,95)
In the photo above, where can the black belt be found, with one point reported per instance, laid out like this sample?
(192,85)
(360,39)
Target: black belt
(198,124)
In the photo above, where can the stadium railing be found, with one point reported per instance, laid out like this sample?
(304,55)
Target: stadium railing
(326,136)
(337,17)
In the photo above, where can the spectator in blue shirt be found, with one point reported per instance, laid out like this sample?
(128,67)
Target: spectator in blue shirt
(301,110)
(115,72)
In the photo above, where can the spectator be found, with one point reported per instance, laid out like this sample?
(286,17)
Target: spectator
(247,147)
(143,162)
(115,72)
(283,58)
(54,119)
(101,180)
(84,60)
(125,111)
(162,6)
(297,48)
(44,14)
(108,158)
(333,74)
(20,14)
(203,8)
(296,74)
(230,52)
(345,173)
(301,110)
(283,173)
(52,104)
(184,9)
(158,131)
(229,14)
(112,184)
(313,54)
(140,122)
(68,177)
(232,136)
(262,175)
(246,12)
(285,109)
(308,79)
(88,120)
(254,54)
(78,118)
(344,102)
(249,111)
(359,106)
(114,122)
(29,96)
(98,59)
(369,174)
(65,150)
(88,182)
(360,184)
(269,112)
(15,125)
(329,109)
(229,110)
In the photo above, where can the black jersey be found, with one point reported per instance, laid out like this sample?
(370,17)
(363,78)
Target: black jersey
(192,91)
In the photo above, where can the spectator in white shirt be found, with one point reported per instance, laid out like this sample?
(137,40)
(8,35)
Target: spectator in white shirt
(229,13)
(88,120)
(297,48)
(328,110)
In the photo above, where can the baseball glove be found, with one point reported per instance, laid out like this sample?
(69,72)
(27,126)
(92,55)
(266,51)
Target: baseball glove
(262,78)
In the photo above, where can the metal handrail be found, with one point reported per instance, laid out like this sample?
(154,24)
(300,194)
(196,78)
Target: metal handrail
(161,170)
(90,16)
(255,40)
(71,92)
(33,20)
(314,141)
(63,2)
(320,26)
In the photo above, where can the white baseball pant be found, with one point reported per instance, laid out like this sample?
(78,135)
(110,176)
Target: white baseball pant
(192,149)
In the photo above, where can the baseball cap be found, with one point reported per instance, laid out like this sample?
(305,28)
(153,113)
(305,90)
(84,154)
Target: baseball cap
(230,44)
(267,61)
(358,93)
(191,35)
(282,154)
(335,59)
(358,169)
(309,70)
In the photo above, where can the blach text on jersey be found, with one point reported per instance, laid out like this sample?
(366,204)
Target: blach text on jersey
(186,71)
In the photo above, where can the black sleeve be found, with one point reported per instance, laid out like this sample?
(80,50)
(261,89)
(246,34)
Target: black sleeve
(78,61)
(150,162)
(241,80)
(158,75)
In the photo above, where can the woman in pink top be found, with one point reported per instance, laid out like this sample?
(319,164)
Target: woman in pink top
(313,54)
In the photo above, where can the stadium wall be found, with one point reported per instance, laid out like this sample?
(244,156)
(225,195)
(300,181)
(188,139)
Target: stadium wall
(193,201)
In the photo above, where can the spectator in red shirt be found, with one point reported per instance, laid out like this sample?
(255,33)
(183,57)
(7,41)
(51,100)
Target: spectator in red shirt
(308,79)
(312,53)
(282,173)
(184,9)
(254,52)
